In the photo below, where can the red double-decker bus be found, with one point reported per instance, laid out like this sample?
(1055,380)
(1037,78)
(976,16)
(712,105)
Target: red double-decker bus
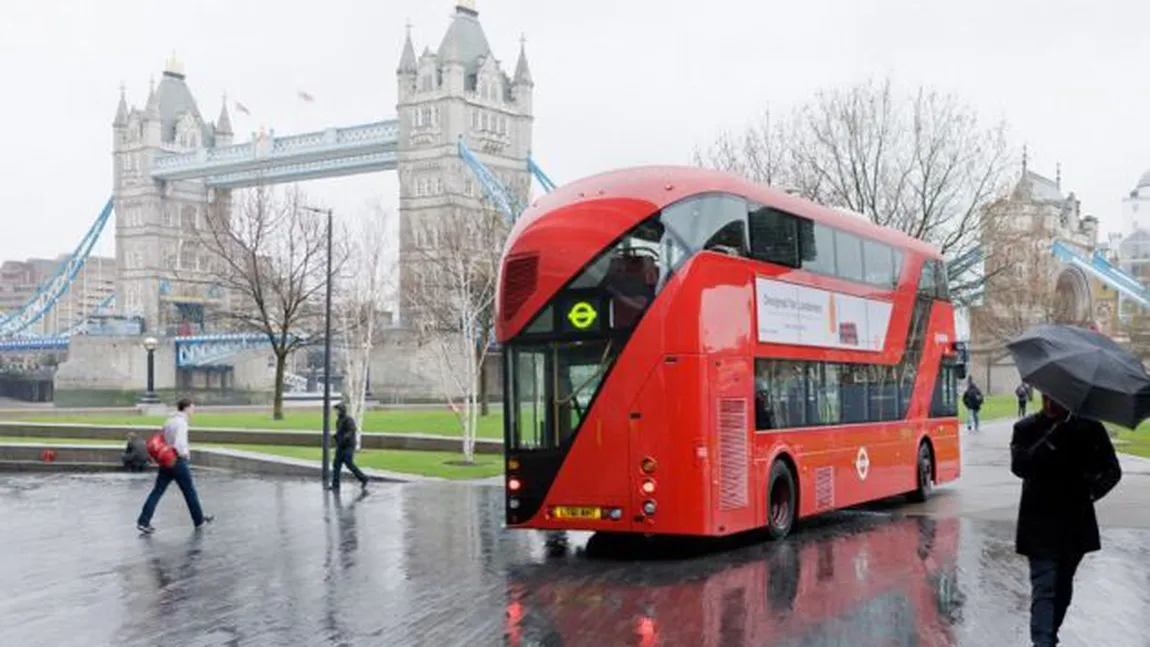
(686,352)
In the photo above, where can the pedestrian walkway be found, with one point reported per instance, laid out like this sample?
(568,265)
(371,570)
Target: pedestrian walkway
(988,490)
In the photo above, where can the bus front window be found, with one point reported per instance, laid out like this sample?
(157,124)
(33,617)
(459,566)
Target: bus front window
(552,389)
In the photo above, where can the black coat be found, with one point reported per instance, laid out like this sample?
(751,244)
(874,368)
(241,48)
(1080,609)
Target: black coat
(1065,468)
(345,430)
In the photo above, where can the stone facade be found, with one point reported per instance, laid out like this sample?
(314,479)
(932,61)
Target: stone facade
(1026,284)
(405,368)
(157,222)
(458,91)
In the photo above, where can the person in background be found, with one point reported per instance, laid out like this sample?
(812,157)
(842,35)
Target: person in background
(1023,395)
(345,431)
(135,456)
(175,435)
(1066,464)
(972,398)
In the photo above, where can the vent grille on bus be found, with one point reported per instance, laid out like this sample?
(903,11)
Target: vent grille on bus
(732,453)
(519,278)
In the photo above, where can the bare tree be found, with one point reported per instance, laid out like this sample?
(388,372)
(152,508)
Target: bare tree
(366,291)
(1021,285)
(923,164)
(453,296)
(269,254)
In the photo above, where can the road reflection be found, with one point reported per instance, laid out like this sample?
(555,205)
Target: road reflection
(867,581)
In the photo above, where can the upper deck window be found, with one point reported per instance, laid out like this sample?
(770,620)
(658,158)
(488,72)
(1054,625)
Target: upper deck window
(715,222)
(849,256)
(774,236)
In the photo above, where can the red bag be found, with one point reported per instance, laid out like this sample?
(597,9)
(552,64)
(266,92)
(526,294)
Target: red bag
(160,451)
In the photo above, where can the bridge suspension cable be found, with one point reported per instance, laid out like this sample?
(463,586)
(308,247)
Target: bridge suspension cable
(503,197)
(49,292)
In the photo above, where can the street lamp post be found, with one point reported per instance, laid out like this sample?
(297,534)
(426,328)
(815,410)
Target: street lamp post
(326,354)
(150,397)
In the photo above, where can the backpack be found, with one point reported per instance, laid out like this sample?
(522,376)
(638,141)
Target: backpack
(160,451)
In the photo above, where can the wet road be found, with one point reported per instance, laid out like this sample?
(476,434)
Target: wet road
(430,564)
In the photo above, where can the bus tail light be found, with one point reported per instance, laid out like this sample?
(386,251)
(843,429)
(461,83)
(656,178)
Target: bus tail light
(648,508)
(648,465)
(648,487)
(513,503)
(615,514)
(513,464)
(514,484)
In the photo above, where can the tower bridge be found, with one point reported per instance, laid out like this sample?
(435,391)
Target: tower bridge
(461,133)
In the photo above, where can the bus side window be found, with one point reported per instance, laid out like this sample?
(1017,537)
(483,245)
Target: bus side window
(774,236)
(941,281)
(849,256)
(817,247)
(926,281)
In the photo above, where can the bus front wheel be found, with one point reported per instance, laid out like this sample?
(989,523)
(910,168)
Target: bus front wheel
(781,500)
(924,469)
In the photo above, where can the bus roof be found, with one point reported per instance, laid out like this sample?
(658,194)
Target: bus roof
(663,185)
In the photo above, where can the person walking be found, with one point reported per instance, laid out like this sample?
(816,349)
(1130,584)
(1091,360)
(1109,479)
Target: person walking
(972,398)
(1066,463)
(1023,394)
(175,435)
(345,430)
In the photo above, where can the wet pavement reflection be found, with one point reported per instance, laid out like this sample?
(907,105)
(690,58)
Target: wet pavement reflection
(432,565)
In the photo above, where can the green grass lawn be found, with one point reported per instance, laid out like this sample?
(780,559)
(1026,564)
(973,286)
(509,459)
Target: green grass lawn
(395,460)
(435,422)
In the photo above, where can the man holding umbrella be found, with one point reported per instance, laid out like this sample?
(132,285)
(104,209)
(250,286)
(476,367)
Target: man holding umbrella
(1065,458)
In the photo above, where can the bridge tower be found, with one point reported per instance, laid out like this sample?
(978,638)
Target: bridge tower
(157,220)
(459,90)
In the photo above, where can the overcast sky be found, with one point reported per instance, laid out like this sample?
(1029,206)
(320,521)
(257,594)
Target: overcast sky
(618,82)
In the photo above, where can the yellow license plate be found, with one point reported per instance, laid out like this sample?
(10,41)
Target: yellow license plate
(574,512)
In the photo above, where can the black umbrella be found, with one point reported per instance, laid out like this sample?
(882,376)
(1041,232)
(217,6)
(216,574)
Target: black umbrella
(1084,371)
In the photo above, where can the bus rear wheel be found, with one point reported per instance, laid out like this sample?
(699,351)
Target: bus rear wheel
(781,500)
(925,474)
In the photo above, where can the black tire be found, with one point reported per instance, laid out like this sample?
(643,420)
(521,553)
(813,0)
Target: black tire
(924,471)
(782,499)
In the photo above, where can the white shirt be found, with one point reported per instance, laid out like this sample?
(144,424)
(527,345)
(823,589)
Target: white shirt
(176,434)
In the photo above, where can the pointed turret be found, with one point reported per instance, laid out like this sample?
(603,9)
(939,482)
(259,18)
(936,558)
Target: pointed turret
(407,62)
(224,122)
(522,70)
(152,106)
(121,110)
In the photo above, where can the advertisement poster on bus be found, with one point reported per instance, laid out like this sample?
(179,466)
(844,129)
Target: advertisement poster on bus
(805,316)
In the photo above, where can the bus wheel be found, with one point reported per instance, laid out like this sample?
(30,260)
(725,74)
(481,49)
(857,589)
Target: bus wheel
(925,471)
(781,499)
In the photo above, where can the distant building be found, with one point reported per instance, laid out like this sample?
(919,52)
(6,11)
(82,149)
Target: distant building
(93,285)
(1136,207)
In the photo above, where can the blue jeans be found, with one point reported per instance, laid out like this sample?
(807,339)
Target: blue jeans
(181,473)
(1051,587)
